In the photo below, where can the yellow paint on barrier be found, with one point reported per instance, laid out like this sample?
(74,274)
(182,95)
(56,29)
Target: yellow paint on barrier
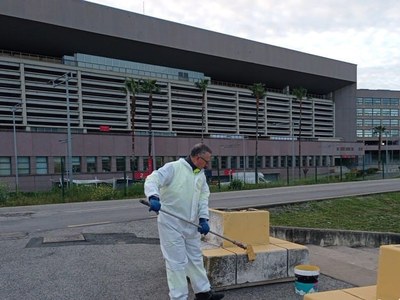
(249,227)
(365,292)
(388,284)
(331,295)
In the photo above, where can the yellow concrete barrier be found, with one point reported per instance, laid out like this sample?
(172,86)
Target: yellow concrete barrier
(247,226)
(388,284)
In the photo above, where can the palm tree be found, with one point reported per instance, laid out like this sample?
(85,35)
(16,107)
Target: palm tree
(131,88)
(149,86)
(202,86)
(259,92)
(379,130)
(300,93)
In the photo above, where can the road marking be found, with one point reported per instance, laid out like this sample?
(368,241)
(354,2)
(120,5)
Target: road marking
(89,224)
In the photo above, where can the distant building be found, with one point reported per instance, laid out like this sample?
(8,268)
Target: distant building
(379,108)
(63,65)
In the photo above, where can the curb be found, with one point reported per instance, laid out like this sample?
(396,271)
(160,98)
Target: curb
(332,237)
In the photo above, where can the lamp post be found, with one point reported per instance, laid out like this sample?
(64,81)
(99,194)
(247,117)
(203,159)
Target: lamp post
(13,110)
(64,79)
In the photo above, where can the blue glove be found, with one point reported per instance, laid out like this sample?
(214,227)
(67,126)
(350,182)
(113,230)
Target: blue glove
(205,228)
(155,204)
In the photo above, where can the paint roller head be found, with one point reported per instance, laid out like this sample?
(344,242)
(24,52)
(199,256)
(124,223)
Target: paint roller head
(251,255)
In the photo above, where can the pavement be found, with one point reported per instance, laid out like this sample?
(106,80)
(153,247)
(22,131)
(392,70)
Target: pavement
(124,261)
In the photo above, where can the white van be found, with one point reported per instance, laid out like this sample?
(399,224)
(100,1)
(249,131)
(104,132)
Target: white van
(249,177)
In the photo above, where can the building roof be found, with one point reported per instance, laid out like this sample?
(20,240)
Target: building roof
(64,27)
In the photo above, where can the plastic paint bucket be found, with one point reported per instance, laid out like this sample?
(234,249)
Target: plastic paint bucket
(306,279)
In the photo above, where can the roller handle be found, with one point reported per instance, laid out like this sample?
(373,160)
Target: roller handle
(239,244)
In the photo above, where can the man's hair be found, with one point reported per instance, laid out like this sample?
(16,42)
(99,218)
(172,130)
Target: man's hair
(200,148)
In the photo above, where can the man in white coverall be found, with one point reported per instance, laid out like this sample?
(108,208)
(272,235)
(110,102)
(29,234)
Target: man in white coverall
(180,187)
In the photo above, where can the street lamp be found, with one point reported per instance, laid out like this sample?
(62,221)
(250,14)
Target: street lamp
(64,79)
(13,110)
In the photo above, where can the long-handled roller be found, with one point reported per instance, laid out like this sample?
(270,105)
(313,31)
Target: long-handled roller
(249,249)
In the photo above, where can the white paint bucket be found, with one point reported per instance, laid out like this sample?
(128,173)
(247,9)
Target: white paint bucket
(306,279)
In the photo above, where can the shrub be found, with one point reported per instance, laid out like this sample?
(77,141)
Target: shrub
(236,184)
(4,193)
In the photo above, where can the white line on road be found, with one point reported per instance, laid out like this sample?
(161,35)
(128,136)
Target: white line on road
(88,224)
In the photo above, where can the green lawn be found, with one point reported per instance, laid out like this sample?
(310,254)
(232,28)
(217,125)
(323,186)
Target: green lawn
(379,212)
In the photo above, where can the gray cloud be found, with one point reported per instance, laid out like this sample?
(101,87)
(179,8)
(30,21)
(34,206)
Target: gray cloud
(363,32)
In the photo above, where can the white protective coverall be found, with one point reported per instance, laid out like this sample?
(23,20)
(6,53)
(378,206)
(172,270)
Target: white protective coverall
(183,193)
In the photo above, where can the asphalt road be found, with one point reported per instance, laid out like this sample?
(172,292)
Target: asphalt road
(28,219)
(120,257)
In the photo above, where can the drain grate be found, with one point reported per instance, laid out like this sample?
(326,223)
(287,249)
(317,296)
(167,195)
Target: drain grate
(90,239)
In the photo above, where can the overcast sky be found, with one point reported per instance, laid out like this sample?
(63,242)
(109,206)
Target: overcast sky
(362,32)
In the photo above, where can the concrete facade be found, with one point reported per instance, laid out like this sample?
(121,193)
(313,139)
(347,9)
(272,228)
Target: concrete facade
(56,30)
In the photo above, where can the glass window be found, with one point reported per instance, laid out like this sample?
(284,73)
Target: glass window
(5,166)
(376,101)
(359,133)
(367,101)
(385,112)
(359,122)
(359,111)
(394,112)
(267,161)
(376,123)
(394,122)
(224,161)
(377,112)
(259,161)
(241,160)
(367,111)
(57,164)
(76,164)
(91,164)
(159,162)
(23,165)
(283,161)
(275,161)
(360,101)
(395,101)
(386,101)
(121,161)
(41,165)
(134,163)
(251,161)
(367,122)
(106,164)
(233,162)
(368,133)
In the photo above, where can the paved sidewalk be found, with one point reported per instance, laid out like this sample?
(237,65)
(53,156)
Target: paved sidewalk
(123,261)
(357,266)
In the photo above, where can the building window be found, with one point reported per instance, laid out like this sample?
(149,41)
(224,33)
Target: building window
(5,166)
(106,164)
(41,165)
(267,161)
(121,161)
(57,161)
(134,163)
(91,164)
(242,160)
(251,161)
(76,164)
(224,162)
(233,162)
(275,161)
(23,165)
(159,162)
(283,161)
